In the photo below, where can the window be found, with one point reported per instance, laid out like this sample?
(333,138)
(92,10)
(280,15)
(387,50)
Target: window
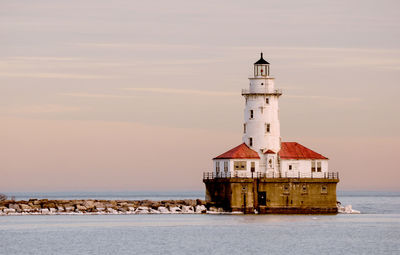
(262,83)
(267,128)
(318,166)
(312,166)
(240,165)
(270,163)
(286,188)
(225,166)
(251,114)
(290,167)
(267,100)
(262,110)
(244,128)
(251,141)
(217,167)
(253,167)
(324,189)
(304,188)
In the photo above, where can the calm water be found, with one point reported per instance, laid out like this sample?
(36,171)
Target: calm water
(375,231)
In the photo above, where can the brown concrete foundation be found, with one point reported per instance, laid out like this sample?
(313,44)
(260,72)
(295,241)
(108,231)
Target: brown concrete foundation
(273,195)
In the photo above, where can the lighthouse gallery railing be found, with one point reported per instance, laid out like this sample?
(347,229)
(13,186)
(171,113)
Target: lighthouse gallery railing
(313,175)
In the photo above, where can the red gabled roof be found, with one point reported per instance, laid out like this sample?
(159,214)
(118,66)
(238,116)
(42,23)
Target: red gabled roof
(269,152)
(241,151)
(293,150)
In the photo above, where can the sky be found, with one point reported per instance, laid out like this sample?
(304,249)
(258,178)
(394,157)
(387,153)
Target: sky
(141,95)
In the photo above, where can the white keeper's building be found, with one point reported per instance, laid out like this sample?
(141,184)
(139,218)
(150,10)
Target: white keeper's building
(262,152)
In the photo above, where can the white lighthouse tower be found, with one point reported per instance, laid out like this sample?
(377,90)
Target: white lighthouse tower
(262,153)
(261,128)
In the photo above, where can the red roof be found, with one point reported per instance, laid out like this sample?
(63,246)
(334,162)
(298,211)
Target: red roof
(269,152)
(293,150)
(241,151)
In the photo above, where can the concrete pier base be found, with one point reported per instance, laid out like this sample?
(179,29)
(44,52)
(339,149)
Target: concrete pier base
(273,195)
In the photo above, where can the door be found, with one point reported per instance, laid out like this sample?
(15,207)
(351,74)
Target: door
(262,198)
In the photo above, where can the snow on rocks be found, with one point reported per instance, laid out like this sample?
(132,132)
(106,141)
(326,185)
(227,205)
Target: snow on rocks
(200,209)
(348,209)
(90,206)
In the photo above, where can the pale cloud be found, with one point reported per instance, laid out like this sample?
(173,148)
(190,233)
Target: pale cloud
(333,57)
(233,93)
(345,99)
(44,108)
(95,95)
(54,75)
(139,46)
(183,91)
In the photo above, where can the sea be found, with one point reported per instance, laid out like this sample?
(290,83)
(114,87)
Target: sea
(375,231)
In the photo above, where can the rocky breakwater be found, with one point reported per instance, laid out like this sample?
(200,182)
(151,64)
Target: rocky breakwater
(45,206)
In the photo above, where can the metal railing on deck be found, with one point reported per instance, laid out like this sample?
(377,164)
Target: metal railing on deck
(313,175)
(261,91)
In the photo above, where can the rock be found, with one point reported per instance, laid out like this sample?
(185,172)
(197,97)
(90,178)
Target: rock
(81,208)
(44,211)
(49,205)
(154,211)
(100,209)
(110,205)
(213,209)
(163,209)
(200,209)
(36,208)
(131,208)
(15,207)
(9,210)
(99,205)
(60,208)
(190,202)
(25,208)
(175,209)
(142,209)
(69,208)
(187,209)
(111,210)
(122,209)
(52,210)
(89,204)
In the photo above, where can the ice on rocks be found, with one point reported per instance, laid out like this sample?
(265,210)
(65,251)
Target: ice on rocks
(111,210)
(200,209)
(163,209)
(9,210)
(44,211)
(348,209)
(187,209)
(142,209)
(175,209)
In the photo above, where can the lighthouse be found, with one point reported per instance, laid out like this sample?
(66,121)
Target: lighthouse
(263,173)
(262,152)
(261,128)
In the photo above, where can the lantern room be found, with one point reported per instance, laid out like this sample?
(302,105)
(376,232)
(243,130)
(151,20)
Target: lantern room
(261,67)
